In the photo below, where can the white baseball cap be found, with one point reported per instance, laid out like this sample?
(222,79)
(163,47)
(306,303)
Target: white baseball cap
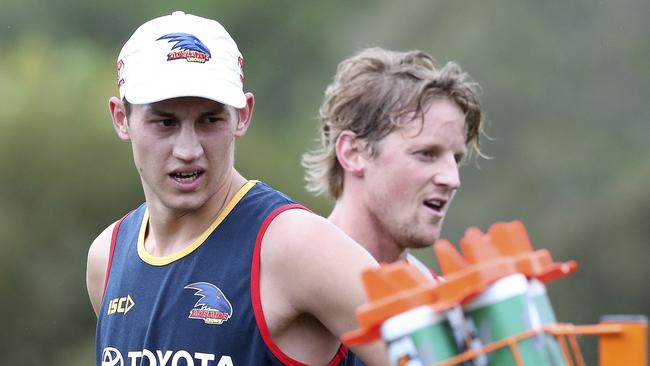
(181,55)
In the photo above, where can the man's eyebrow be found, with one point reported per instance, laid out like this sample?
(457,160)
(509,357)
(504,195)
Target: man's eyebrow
(430,146)
(216,111)
(159,112)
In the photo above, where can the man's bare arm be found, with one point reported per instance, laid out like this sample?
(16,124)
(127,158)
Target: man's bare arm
(96,266)
(319,269)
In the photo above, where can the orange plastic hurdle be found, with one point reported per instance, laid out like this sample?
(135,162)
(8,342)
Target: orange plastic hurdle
(410,313)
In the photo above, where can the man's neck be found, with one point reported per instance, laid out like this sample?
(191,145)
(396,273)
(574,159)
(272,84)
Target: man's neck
(365,230)
(169,230)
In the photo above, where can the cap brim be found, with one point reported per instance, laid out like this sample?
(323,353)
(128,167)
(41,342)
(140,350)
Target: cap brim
(161,89)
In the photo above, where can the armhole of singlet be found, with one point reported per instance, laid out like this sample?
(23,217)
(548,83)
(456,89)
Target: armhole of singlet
(413,260)
(116,229)
(257,300)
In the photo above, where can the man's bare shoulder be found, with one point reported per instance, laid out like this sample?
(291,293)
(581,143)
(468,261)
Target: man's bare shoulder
(311,267)
(97,262)
(307,237)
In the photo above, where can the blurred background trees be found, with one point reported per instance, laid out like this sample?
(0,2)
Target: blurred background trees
(565,95)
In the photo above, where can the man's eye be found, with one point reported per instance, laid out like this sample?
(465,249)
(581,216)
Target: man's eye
(167,122)
(426,154)
(214,119)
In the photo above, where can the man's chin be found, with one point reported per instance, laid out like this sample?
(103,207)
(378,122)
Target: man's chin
(185,205)
(424,239)
(420,242)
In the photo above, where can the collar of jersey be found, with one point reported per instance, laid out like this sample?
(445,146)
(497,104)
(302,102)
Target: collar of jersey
(161,261)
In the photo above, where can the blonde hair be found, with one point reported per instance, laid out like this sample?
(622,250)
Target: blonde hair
(371,91)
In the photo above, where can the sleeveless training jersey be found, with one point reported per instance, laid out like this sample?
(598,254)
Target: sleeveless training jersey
(199,307)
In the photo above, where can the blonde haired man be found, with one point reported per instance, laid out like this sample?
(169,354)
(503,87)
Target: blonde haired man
(395,126)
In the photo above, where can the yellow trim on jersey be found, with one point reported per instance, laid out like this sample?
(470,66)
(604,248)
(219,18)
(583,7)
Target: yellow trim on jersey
(161,261)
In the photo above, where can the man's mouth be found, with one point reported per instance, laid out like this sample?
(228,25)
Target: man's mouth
(186,177)
(436,204)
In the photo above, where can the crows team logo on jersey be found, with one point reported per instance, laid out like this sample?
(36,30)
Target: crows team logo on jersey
(213,307)
(186,46)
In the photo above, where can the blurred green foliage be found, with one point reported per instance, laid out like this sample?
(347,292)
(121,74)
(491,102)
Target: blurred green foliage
(565,94)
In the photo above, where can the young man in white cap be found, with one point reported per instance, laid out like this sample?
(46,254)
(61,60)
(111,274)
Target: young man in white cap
(213,269)
(394,128)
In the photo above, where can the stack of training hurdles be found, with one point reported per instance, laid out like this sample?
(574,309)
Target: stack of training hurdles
(491,309)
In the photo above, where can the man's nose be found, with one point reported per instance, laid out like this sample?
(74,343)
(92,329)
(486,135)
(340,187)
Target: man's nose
(447,173)
(187,146)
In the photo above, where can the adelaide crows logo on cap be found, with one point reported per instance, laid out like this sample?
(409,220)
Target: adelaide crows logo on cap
(213,307)
(188,47)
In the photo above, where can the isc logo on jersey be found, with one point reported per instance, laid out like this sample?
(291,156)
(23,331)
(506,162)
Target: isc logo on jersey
(120,305)
(112,357)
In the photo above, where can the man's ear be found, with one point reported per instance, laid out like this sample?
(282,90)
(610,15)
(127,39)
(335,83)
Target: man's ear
(245,115)
(118,115)
(351,152)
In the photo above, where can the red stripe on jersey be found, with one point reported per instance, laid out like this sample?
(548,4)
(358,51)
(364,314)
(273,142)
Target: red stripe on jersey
(110,255)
